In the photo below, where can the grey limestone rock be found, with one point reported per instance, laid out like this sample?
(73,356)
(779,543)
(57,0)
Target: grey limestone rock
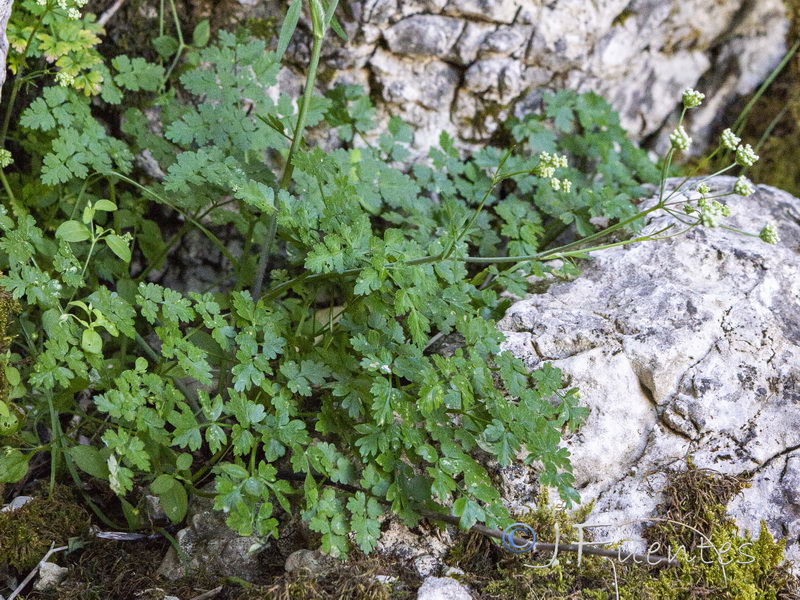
(442,588)
(210,545)
(685,346)
(639,54)
(50,577)
(426,35)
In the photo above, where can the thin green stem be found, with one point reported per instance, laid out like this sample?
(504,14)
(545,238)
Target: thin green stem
(297,138)
(214,239)
(552,253)
(18,79)
(487,260)
(85,264)
(771,127)
(57,441)
(181,44)
(16,207)
(496,178)
(741,120)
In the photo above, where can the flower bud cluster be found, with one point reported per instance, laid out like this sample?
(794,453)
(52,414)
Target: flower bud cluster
(745,156)
(5,158)
(548,163)
(730,140)
(679,139)
(711,213)
(64,79)
(692,98)
(743,187)
(769,234)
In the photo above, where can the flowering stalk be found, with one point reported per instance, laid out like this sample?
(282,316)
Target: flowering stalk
(708,213)
(320,24)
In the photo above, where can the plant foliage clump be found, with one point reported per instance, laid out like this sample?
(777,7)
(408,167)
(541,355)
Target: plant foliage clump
(306,378)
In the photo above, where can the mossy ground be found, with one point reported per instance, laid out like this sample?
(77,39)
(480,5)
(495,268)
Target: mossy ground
(105,569)
(27,533)
(694,497)
(114,570)
(119,570)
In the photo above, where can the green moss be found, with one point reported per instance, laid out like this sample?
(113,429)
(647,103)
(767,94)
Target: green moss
(27,533)
(694,497)
(263,28)
(754,571)
(8,308)
(620,19)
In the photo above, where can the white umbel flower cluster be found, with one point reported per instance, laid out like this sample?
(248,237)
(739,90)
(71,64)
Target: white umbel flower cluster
(692,98)
(64,79)
(548,163)
(746,156)
(769,234)
(710,214)
(6,159)
(561,185)
(743,187)
(729,140)
(679,139)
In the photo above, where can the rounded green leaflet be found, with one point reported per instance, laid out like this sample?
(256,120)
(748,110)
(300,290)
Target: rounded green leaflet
(183,462)
(91,341)
(73,231)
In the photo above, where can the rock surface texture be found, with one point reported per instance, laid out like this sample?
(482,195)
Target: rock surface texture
(442,588)
(465,65)
(209,545)
(686,346)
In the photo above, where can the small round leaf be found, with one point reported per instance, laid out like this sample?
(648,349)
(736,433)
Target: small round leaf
(73,231)
(91,341)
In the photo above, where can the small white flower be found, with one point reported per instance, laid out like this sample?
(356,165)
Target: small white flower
(729,140)
(679,139)
(692,98)
(555,183)
(710,214)
(546,171)
(548,163)
(62,4)
(74,14)
(743,187)
(702,189)
(386,369)
(769,234)
(566,185)
(746,156)
(5,158)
